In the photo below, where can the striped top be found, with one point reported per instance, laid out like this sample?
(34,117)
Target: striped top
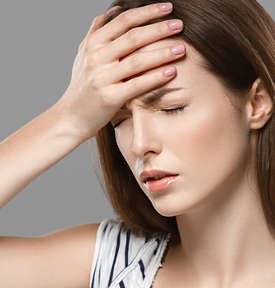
(124,260)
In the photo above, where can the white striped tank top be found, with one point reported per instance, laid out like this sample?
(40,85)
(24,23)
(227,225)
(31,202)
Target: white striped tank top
(124,260)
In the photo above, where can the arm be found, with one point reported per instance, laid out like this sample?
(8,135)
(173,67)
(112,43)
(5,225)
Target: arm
(34,148)
(96,93)
(60,259)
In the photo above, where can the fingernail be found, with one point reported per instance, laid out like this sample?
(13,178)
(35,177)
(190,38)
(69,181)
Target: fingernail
(165,6)
(175,24)
(177,50)
(170,71)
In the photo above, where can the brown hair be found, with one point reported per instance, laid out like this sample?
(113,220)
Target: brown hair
(236,39)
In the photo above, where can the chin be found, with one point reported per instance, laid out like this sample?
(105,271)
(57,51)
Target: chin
(169,210)
(169,207)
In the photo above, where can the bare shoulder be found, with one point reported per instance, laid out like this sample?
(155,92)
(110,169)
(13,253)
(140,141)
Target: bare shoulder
(59,259)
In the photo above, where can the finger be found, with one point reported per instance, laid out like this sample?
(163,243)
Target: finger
(148,81)
(112,10)
(98,22)
(137,38)
(127,20)
(95,25)
(101,19)
(144,61)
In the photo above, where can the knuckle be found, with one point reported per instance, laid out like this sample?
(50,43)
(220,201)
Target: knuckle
(167,53)
(153,9)
(90,38)
(134,84)
(95,81)
(91,60)
(94,22)
(95,53)
(133,63)
(162,28)
(132,37)
(96,19)
(125,17)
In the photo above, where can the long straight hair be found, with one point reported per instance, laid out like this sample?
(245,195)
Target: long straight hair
(236,40)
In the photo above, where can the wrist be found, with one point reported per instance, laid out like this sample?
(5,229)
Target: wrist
(64,123)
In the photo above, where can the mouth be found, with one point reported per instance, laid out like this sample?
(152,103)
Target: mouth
(154,175)
(162,183)
(158,178)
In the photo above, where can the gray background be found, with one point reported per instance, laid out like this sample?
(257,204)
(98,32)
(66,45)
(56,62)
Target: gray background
(39,41)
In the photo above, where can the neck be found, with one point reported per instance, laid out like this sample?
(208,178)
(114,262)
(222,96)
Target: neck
(227,238)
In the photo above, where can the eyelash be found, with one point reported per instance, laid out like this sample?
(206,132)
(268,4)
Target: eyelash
(168,111)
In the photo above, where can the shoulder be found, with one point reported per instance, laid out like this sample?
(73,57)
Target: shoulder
(58,259)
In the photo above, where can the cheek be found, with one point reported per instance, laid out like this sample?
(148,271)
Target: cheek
(211,144)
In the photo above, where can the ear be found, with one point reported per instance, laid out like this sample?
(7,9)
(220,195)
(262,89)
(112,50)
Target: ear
(259,106)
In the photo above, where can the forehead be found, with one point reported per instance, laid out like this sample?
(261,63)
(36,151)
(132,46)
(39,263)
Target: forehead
(192,56)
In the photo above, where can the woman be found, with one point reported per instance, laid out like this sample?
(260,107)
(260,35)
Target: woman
(209,221)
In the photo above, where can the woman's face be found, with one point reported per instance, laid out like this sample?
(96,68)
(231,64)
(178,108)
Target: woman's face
(206,143)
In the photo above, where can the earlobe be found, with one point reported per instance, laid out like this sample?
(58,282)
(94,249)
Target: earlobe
(259,105)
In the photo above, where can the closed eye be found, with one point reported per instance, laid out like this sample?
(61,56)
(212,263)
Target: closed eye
(168,111)
(174,110)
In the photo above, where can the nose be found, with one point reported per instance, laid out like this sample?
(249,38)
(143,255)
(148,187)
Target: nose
(145,138)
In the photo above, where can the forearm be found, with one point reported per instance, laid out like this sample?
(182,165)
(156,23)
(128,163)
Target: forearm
(32,149)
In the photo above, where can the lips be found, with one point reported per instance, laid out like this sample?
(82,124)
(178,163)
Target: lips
(155,174)
(161,184)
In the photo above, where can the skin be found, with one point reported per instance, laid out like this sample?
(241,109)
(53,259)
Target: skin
(218,248)
(225,241)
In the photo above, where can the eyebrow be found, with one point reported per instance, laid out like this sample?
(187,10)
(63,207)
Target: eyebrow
(154,96)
